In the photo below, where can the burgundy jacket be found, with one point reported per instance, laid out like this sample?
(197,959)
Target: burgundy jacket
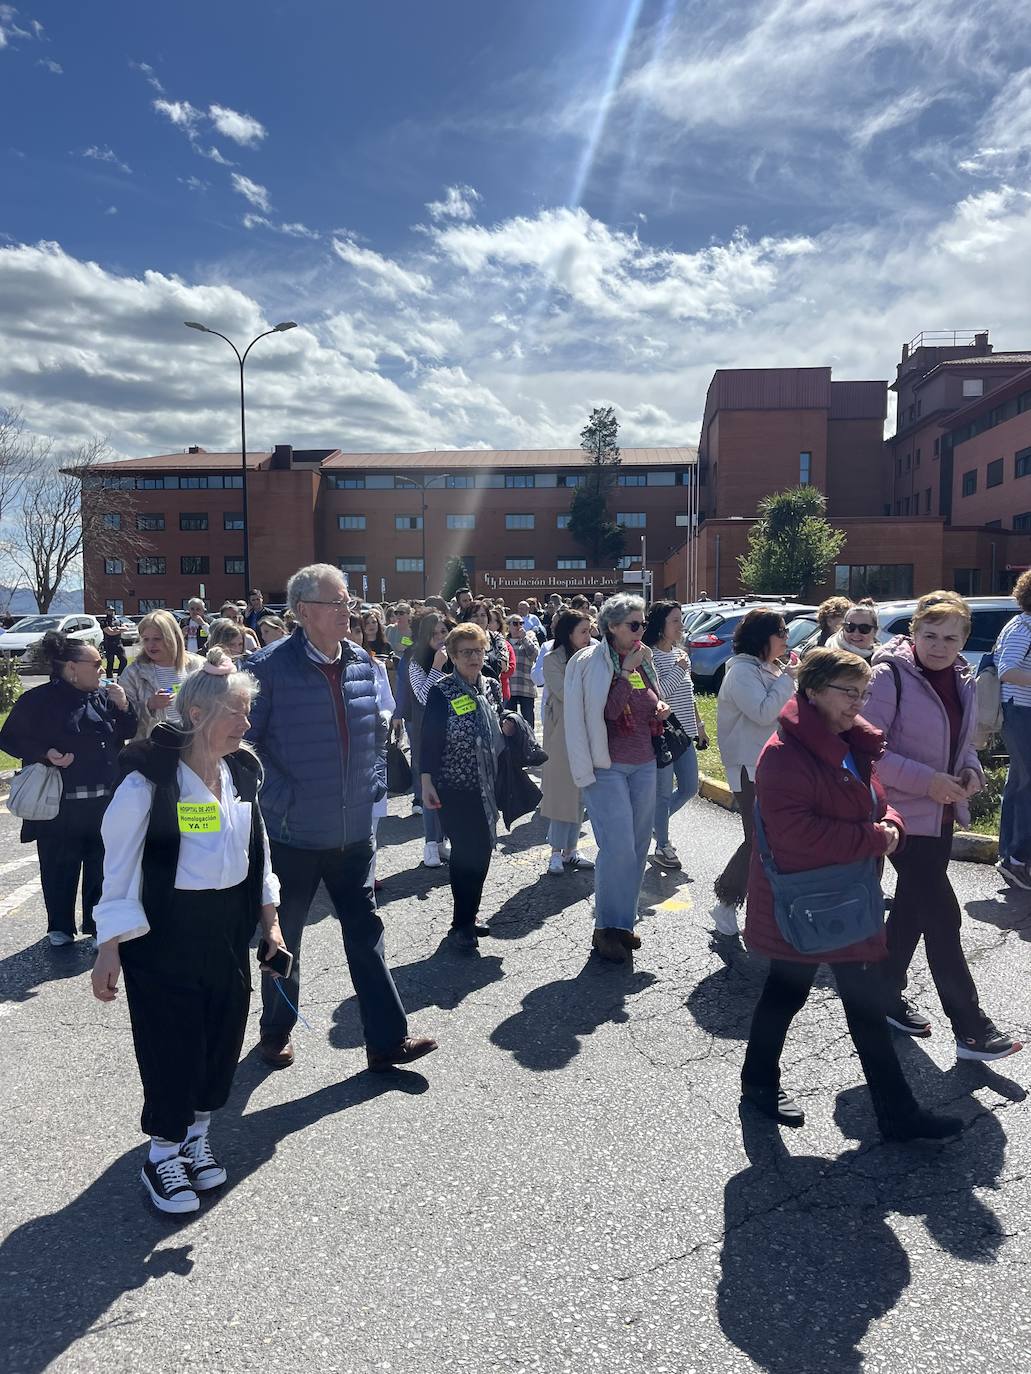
(815,813)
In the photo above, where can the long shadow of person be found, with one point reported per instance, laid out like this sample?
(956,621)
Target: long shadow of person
(59,1273)
(529,908)
(1014,914)
(722,1003)
(443,980)
(809,1261)
(546,1032)
(24,973)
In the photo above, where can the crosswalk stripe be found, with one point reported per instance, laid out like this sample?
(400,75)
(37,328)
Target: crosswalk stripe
(12,864)
(20,894)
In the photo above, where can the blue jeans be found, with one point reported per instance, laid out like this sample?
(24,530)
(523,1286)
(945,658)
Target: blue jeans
(621,805)
(1015,826)
(563,834)
(667,802)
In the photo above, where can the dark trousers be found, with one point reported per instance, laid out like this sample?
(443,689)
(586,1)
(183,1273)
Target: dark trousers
(188,990)
(465,822)
(111,653)
(925,905)
(732,884)
(862,992)
(347,874)
(68,846)
(524,705)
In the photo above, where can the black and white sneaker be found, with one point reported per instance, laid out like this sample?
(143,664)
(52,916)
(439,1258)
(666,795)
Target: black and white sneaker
(905,1018)
(1016,874)
(203,1168)
(989,1043)
(169,1185)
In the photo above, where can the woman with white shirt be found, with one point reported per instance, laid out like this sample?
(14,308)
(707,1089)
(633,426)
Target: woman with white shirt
(187,878)
(426,666)
(664,635)
(755,686)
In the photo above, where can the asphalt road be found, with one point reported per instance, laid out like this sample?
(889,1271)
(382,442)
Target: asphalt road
(566,1184)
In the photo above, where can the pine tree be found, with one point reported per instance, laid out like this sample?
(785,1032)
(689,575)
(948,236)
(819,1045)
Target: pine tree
(792,546)
(455,577)
(589,520)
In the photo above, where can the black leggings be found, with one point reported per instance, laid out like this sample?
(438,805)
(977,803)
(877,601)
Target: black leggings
(925,905)
(465,824)
(861,989)
(111,653)
(188,990)
(68,846)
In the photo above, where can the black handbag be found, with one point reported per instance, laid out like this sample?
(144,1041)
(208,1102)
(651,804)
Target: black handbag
(399,772)
(671,741)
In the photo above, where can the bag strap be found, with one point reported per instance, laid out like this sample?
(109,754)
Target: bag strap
(898,683)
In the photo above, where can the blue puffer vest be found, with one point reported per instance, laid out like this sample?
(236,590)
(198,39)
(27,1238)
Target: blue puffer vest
(307,801)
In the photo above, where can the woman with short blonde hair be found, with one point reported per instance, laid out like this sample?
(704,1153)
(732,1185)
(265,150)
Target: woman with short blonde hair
(153,679)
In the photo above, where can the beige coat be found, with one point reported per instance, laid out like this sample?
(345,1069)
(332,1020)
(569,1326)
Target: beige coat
(139,682)
(562,800)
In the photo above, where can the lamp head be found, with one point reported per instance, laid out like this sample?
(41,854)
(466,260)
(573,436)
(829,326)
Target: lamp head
(192,324)
(287,324)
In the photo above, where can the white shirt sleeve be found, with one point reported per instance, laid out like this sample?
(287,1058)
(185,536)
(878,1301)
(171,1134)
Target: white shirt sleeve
(119,913)
(270,883)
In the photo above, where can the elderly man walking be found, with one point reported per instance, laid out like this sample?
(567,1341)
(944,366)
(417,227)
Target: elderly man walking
(319,733)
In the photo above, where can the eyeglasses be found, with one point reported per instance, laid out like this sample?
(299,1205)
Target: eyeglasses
(337,605)
(781,632)
(859,627)
(853,693)
(635,625)
(470,653)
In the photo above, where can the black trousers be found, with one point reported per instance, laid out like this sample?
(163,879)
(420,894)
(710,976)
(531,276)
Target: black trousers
(732,884)
(925,905)
(188,989)
(862,991)
(465,823)
(347,874)
(111,653)
(524,705)
(70,846)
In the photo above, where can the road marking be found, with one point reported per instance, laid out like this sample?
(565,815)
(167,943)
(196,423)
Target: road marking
(676,904)
(19,896)
(9,867)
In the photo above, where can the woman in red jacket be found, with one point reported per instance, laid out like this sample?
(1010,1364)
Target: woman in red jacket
(821,804)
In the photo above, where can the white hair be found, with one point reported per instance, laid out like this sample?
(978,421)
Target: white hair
(304,585)
(617,609)
(209,693)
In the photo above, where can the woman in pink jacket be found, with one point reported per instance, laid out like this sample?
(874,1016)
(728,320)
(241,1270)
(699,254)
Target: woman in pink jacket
(922,697)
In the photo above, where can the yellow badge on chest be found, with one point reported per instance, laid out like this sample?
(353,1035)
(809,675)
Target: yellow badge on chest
(406,640)
(198,818)
(463,705)
(636,681)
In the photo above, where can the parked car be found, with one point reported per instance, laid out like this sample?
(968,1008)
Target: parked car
(988,614)
(22,641)
(710,642)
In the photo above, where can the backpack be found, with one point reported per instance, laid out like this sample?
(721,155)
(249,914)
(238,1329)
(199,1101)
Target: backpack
(989,694)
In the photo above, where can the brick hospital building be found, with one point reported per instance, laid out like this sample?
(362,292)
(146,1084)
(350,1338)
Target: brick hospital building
(940,503)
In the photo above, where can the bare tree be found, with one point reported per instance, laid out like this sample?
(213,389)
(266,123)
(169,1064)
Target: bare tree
(64,511)
(16,454)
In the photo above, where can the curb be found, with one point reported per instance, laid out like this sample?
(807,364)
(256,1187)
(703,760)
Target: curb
(967,845)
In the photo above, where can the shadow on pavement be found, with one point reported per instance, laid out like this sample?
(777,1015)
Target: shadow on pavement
(530,907)
(546,1033)
(722,1003)
(809,1261)
(61,1272)
(1012,914)
(22,974)
(443,980)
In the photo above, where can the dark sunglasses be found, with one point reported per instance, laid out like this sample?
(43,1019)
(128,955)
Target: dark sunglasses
(859,626)
(634,625)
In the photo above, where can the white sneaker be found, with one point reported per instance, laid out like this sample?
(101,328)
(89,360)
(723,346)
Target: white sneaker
(58,937)
(169,1185)
(430,855)
(666,856)
(556,866)
(416,809)
(444,850)
(578,863)
(724,918)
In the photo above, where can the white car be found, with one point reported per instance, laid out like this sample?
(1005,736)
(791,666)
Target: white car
(23,639)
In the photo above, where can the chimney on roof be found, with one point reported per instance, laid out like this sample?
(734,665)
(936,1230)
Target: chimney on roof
(195,448)
(981,343)
(282,457)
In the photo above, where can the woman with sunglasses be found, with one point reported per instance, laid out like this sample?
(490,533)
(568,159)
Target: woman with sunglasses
(858,633)
(612,711)
(923,698)
(754,688)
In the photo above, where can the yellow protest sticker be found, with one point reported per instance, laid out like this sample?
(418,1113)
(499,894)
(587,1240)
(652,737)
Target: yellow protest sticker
(406,640)
(637,681)
(198,818)
(463,705)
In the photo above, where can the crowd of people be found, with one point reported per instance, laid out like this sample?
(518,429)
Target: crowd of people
(241,760)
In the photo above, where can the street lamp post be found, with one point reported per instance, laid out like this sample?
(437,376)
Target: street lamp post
(422,487)
(241,359)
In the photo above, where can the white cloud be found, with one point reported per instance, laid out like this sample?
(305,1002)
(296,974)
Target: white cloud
(105,154)
(382,275)
(10,28)
(111,210)
(193,183)
(459,203)
(149,74)
(241,128)
(182,114)
(254,192)
(213,155)
(50,65)
(256,222)
(298,231)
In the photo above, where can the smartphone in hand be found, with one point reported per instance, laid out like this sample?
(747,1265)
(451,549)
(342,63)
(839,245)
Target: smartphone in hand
(281,963)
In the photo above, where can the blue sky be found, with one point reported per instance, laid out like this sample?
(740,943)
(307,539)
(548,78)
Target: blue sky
(488,218)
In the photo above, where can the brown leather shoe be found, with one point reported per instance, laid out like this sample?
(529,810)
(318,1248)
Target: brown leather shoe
(608,943)
(276,1050)
(411,1048)
(630,940)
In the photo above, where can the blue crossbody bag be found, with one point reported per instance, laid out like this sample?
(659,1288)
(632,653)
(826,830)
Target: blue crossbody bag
(823,909)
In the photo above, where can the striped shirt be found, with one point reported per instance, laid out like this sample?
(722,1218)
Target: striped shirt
(422,682)
(677,689)
(1013,650)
